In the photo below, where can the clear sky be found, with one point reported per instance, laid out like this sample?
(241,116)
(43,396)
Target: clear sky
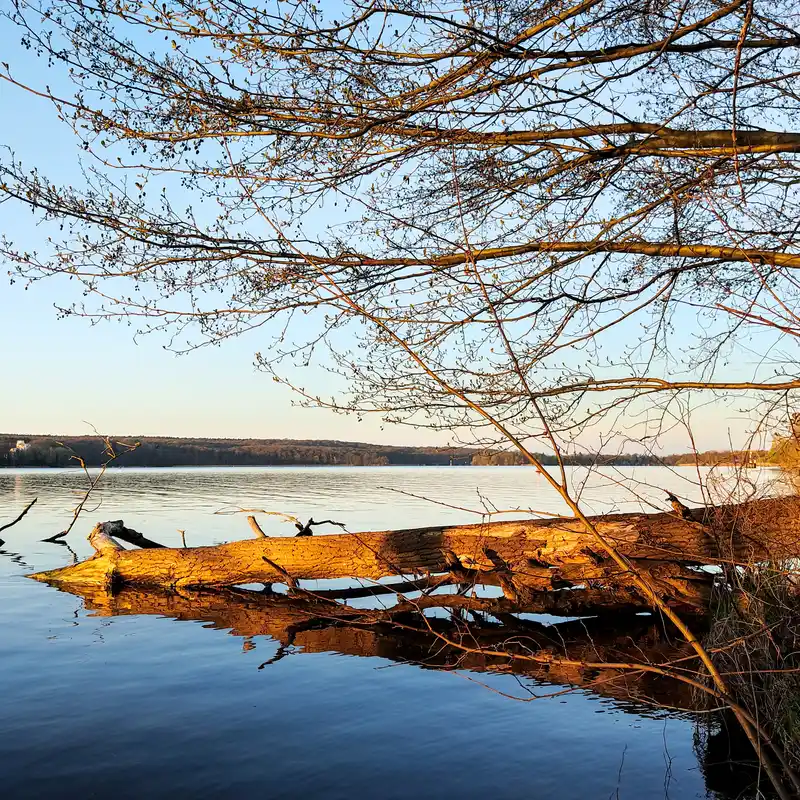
(63,376)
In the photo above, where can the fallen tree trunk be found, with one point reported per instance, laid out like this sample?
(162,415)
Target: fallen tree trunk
(522,556)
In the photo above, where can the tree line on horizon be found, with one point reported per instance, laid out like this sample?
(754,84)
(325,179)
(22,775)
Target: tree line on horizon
(47,451)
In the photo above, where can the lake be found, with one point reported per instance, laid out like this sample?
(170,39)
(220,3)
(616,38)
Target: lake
(147,705)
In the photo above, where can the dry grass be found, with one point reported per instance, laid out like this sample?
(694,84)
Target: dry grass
(754,634)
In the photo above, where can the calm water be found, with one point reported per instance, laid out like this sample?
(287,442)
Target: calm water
(148,706)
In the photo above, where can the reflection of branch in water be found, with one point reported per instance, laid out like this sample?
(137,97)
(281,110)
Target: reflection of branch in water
(621,765)
(59,539)
(16,558)
(282,651)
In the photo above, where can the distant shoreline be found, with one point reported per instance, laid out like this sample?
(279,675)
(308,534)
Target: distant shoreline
(123,468)
(42,451)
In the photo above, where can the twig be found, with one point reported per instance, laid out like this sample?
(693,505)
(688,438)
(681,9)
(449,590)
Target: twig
(24,512)
(481,513)
(93,482)
(56,537)
(305,530)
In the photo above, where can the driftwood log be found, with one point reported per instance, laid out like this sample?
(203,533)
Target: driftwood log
(533,561)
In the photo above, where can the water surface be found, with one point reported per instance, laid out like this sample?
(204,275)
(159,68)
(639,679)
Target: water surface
(148,706)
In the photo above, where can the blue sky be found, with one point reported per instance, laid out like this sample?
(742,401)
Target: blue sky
(64,376)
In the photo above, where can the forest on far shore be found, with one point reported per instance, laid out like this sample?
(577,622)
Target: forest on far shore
(64,451)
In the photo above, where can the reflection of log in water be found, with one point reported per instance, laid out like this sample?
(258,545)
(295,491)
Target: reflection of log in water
(309,626)
(304,625)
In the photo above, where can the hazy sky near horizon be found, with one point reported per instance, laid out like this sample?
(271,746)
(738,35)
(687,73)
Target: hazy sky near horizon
(66,376)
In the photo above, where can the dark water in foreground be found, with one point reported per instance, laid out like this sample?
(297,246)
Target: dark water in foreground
(148,706)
